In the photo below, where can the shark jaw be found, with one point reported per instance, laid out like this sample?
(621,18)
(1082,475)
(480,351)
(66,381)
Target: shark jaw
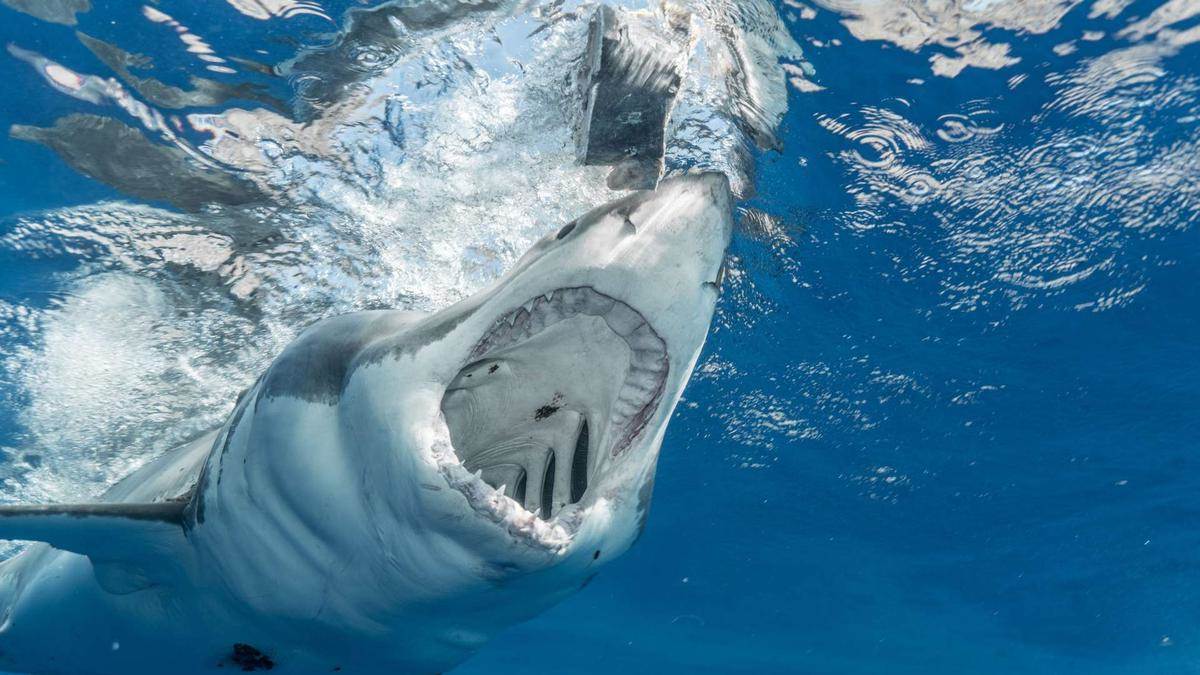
(530,452)
(573,364)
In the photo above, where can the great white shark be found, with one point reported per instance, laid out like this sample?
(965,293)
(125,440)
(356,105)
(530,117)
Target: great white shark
(397,487)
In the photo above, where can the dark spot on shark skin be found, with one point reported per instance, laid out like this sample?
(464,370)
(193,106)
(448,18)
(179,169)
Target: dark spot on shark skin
(550,408)
(596,555)
(250,659)
(494,368)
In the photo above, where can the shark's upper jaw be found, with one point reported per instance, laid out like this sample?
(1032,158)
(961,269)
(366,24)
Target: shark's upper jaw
(555,391)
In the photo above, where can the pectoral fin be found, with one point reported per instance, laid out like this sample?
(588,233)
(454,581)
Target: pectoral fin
(132,546)
(90,528)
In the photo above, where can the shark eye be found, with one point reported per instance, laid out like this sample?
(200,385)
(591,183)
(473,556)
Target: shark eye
(565,231)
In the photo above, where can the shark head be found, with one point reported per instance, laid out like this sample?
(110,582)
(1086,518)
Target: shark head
(570,366)
(577,358)
(475,465)
(540,403)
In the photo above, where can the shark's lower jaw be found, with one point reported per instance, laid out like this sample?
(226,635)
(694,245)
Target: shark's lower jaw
(494,505)
(555,392)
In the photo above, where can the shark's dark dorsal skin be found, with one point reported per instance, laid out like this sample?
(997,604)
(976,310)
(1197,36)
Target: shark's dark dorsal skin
(315,366)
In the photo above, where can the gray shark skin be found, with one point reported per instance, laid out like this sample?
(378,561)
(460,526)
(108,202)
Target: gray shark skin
(397,487)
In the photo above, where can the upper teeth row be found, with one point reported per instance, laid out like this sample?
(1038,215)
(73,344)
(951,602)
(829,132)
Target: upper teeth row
(546,310)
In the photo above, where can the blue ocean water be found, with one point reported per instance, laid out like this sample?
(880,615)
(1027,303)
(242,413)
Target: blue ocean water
(946,420)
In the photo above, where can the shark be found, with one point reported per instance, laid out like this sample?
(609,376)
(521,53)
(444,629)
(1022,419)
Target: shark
(397,487)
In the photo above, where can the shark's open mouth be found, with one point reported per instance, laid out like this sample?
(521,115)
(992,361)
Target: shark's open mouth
(554,391)
(648,365)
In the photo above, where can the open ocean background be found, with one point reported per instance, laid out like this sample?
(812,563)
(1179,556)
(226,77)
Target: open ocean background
(948,418)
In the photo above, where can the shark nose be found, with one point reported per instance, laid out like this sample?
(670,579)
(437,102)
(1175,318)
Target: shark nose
(710,190)
(690,210)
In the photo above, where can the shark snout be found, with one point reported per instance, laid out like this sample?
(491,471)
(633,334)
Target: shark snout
(682,227)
